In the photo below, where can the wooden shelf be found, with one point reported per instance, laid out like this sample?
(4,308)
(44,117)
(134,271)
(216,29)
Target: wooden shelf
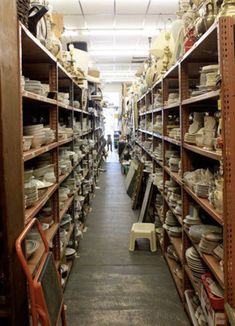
(174,175)
(157,135)
(145,113)
(32,153)
(87,132)
(67,240)
(210,261)
(172,105)
(178,245)
(35,97)
(157,110)
(35,259)
(66,207)
(65,106)
(32,211)
(204,203)
(70,265)
(65,141)
(203,97)
(172,264)
(211,154)
(172,141)
(191,278)
(214,266)
(157,161)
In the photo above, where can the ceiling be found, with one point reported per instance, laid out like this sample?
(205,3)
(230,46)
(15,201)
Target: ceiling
(116,31)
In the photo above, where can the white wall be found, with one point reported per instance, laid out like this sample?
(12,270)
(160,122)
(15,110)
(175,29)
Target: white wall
(111,88)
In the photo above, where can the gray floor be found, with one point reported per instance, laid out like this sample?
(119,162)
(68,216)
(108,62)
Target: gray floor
(108,284)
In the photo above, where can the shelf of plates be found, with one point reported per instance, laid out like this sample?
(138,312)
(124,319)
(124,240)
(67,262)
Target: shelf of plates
(183,128)
(62,149)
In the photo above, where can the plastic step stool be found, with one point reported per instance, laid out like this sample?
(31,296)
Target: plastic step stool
(143,231)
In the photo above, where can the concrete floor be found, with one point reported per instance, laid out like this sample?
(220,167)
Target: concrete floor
(109,286)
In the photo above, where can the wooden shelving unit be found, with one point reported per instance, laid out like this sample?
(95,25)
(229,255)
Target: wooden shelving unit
(37,63)
(219,39)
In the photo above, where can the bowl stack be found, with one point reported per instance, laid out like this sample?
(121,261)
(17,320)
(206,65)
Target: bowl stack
(209,241)
(38,133)
(196,231)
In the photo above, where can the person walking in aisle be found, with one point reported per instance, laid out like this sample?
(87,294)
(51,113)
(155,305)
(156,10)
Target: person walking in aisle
(109,143)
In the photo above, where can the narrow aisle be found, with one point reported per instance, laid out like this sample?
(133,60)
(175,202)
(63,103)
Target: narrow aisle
(108,284)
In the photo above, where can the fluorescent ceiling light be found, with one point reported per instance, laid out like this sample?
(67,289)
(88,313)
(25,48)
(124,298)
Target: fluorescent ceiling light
(111,32)
(117,73)
(120,32)
(120,52)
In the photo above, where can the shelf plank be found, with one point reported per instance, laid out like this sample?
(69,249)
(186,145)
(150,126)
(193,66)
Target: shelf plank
(214,266)
(211,154)
(191,278)
(32,153)
(67,240)
(172,264)
(66,207)
(141,114)
(174,175)
(157,135)
(37,97)
(157,161)
(70,265)
(172,141)
(178,245)
(65,106)
(157,110)
(65,141)
(203,97)
(32,211)
(210,261)
(172,105)
(35,259)
(87,132)
(204,203)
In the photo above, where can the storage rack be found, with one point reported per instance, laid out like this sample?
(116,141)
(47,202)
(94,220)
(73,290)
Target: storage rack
(219,42)
(37,63)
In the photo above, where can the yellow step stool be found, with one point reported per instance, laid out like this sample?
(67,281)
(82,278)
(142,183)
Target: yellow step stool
(143,231)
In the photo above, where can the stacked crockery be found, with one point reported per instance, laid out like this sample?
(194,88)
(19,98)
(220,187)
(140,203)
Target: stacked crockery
(195,263)
(30,189)
(38,133)
(196,231)
(63,97)
(194,128)
(209,241)
(34,86)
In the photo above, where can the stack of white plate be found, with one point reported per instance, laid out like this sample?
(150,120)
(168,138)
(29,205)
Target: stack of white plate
(31,193)
(195,263)
(202,190)
(63,97)
(38,133)
(34,86)
(191,139)
(209,241)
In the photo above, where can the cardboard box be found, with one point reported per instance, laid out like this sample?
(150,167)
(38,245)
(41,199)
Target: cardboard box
(213,317)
